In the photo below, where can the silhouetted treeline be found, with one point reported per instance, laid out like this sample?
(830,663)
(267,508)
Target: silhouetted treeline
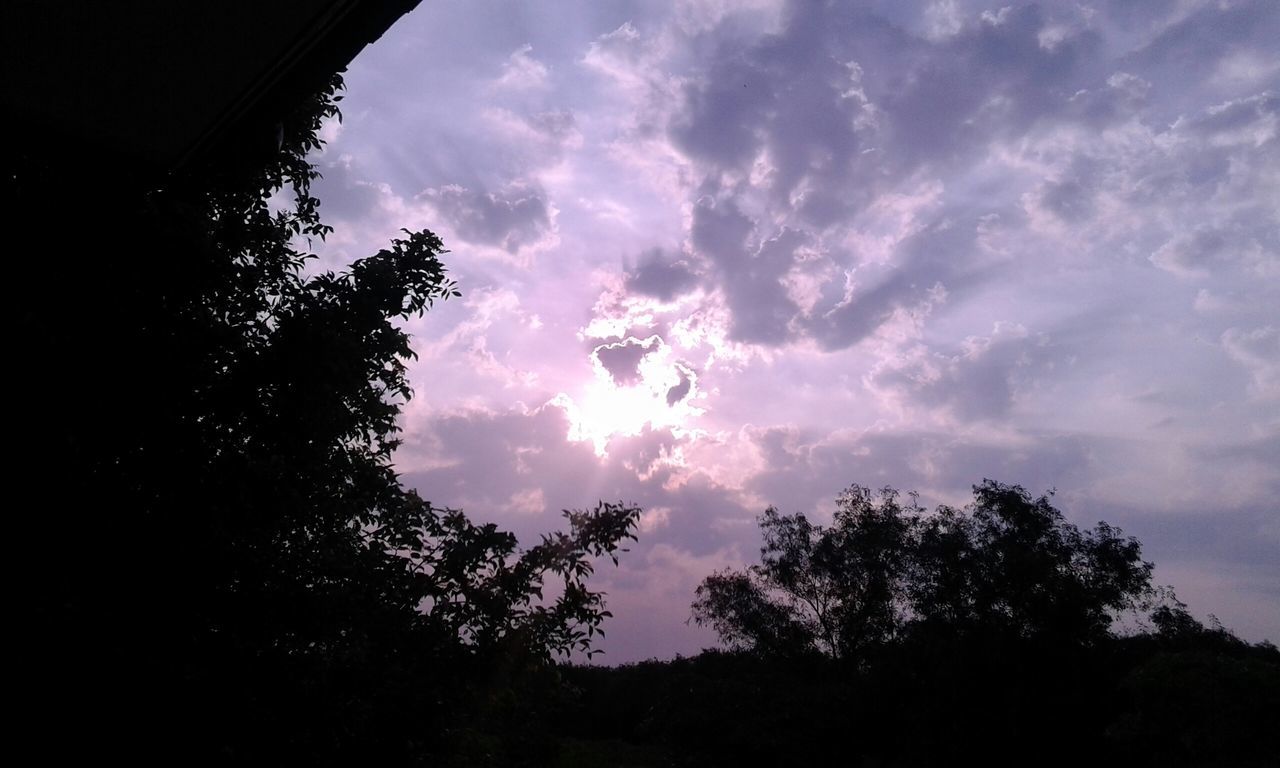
(1006,565)
(1200,698)
(900,637)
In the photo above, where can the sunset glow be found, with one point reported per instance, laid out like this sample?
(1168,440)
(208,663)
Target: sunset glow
(800,245)
(658,398)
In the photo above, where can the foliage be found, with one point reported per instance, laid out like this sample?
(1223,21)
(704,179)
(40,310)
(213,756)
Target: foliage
(262,580)
(993,648)
(1006,565)
(307,385)
(977,634)
(1135,700)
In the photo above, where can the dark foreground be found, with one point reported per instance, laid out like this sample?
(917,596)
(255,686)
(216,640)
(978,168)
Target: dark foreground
(1200,698)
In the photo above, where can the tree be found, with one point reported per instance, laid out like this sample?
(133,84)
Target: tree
(1008,564)
(834,590)
(254,571)
(1012,564)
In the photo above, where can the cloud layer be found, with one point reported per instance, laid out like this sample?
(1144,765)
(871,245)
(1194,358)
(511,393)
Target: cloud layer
(717,256)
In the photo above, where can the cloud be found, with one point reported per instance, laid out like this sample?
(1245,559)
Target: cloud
(942,19)
(981,380)
(535,139)
(889,243)
(522,72)
(1258,350)
(622,359)
(1191,254)
(482,340)
(559,125)
(1253,120)
(1190,45)
(750,272)
(660,276)
(497,464)
(616,52)
(929,267)
(795,134)
(803,471)
(684,387)
(513,217)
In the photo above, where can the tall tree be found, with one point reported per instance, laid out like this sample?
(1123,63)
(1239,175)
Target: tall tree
(233,544)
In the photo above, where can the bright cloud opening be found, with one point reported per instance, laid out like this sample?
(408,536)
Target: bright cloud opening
(656,396)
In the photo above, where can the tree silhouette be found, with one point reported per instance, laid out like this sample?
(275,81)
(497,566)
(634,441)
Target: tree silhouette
(898,636)
(832,590)
(1008,564)
(240,554)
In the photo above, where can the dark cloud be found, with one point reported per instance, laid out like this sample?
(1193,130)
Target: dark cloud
(1070,197)
(1178,59)
(1248,238)
(791,97)
(750,273)
(939,256)
(720,230)
(993,80)
(1212,31)
(526,141)
(661,276)
(1258,112)
(762,310)
(622,359)
(681,390)
(834,105)
(836,81)
(803,470)
(979,381)
(513,217)
(722,113)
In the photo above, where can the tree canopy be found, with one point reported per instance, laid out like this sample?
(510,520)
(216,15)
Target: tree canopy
(1007,564)
(256,573)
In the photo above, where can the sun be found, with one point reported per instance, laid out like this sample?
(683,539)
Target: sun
(658,397)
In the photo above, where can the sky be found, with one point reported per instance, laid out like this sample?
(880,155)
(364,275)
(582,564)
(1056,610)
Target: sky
(717,256)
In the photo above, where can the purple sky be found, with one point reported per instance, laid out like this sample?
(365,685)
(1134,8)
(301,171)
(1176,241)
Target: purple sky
(719,255)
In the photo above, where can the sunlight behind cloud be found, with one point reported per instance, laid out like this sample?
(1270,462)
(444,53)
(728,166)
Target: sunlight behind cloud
(915,244)
(658,398)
